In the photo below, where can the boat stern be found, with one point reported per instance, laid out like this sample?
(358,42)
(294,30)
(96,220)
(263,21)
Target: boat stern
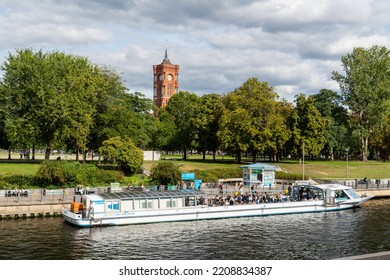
(74,218)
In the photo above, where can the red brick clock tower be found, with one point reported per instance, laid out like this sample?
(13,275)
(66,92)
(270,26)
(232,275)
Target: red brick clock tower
(165,81)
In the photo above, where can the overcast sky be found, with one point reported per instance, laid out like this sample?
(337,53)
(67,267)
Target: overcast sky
(294,45)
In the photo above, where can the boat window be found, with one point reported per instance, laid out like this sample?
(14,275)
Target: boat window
(351,193)
(113,205)
(189,201)
(340,195)
(302,193)
(171,203)
(146,204)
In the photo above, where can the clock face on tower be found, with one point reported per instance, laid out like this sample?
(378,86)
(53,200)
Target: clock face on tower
(170,77)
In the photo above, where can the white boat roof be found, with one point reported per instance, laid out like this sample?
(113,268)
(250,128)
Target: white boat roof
(332,187)
(129,195)
(94,197)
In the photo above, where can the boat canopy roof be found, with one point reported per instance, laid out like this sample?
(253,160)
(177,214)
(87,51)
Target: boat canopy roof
(129,195)
(332,187)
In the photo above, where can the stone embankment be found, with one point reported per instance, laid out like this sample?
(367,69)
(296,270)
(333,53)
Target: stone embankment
(34,203)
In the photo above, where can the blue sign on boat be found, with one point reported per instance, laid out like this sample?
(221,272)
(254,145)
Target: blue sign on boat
(187,176)
(197,184)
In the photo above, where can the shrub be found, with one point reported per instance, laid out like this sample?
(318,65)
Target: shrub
(124,152)
(70,174)
(166,173)
(212,175)
(289,176)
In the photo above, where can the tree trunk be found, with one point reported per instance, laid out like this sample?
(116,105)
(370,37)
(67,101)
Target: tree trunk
(47,152)
(185,154)
(77,153)
(254,156)
(239,156)
(33,152)
(332,154)
(214,155)
(364,148)
(204,155)
(9,153)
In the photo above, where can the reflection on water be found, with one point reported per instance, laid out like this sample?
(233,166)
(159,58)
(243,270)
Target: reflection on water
(303,236)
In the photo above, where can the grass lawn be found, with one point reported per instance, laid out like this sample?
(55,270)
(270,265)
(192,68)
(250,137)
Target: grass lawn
(338,169)
(18,168)
(316,169)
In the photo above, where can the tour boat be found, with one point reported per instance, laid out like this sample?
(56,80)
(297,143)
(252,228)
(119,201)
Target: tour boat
(140,207)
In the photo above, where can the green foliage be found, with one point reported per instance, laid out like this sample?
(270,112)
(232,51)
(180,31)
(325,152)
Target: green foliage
(212,175)
(166,173)
(365,89)
(183,108)
(70,174)
(307,126)
(17,182)
(49,98)
(290,176)
(250,119)
(206,123)
(123,152)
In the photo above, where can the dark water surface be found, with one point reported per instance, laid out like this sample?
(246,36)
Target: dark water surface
(286,237)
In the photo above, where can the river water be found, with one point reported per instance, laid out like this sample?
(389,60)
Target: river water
(312,236)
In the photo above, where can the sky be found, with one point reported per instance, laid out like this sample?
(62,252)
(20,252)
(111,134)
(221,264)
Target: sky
(294,45)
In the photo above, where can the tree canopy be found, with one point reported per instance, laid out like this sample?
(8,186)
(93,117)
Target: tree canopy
(54,100)
(49,98)
(365,89)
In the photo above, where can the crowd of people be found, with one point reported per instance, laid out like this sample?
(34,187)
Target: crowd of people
(240,196)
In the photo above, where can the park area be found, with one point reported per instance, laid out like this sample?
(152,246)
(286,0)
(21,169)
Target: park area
(314,169)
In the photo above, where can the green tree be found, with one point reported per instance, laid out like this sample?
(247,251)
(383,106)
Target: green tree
(307,127)
(206,124)
(122,152)
(119,113)
(166,173)
(161,131)
(182,107)
(4,143)
(49,98)
(365,88)
(248,118)
(279,128)
(329,104)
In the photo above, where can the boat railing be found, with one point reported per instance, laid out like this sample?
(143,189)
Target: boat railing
(360,184)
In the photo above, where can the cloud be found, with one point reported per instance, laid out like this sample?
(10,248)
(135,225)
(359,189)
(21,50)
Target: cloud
(293,45)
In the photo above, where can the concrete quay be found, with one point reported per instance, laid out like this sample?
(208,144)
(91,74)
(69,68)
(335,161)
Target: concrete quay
(34,205)
(30,211)
(374,256)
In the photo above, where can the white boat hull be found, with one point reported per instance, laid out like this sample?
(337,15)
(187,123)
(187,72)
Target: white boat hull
(204,213)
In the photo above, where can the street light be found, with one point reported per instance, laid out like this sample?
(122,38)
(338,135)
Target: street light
(347,149)
(303,161)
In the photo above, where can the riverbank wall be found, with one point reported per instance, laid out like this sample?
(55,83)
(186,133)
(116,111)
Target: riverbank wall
(31,210)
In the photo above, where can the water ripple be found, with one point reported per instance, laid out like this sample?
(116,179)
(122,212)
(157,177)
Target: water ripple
(286,237)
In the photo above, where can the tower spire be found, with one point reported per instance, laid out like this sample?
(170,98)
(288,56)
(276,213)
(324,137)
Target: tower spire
(166,49)
(166,59)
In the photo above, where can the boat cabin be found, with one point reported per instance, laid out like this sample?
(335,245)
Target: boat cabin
(329,193)
(125,202)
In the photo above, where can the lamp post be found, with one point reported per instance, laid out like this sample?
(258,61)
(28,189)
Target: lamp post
(303,161)
(347,149)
